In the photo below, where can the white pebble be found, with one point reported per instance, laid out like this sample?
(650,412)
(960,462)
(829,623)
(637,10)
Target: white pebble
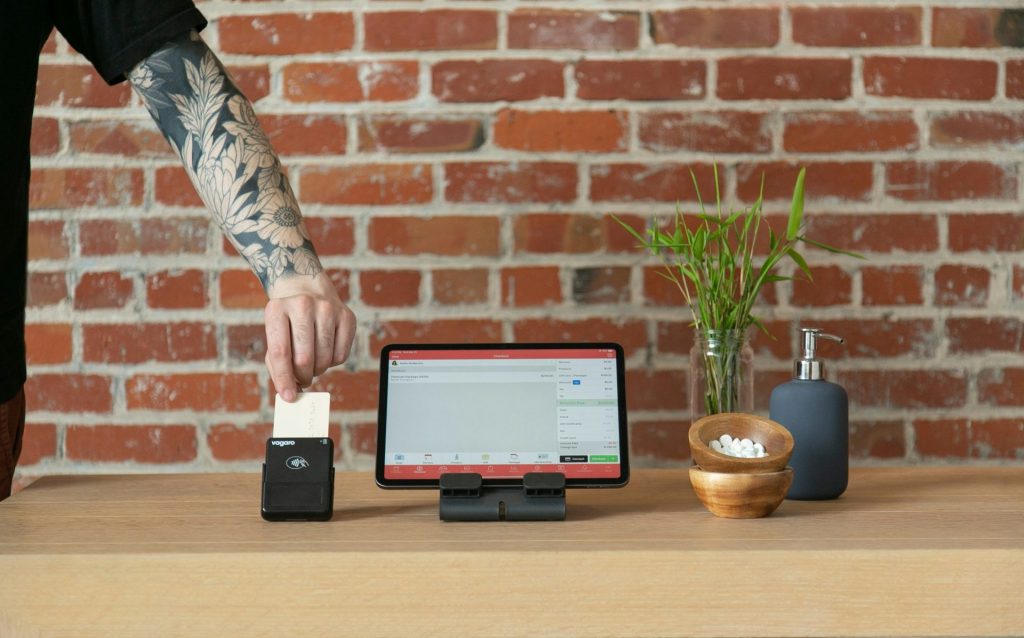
(725,439)
(716,446)
(747,444)
(759,448)
(740,448)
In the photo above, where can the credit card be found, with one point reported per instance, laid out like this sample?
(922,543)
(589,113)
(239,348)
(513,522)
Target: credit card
(307,416)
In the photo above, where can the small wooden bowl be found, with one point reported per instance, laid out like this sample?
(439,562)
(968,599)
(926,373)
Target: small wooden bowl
(775,438)
(740,495)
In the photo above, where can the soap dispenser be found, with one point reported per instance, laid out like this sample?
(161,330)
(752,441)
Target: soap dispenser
(816,412)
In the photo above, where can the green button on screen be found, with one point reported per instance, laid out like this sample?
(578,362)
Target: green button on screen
(604,458)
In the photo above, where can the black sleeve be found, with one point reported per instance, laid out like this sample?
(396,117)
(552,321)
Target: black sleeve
(115,35)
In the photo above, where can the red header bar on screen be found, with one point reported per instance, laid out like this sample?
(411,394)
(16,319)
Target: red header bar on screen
(539,353)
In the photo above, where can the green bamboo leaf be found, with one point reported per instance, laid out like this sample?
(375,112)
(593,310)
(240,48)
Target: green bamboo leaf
(630,229)
(796,213)
(831,249)
(799,259)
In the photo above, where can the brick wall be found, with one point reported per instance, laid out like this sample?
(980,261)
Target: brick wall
(457,162)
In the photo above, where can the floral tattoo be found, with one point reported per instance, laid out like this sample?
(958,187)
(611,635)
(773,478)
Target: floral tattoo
(212,126)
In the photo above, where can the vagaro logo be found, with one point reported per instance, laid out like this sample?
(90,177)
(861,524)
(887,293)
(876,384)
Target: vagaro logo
(296,463)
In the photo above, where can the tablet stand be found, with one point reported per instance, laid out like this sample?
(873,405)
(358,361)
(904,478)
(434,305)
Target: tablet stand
(464,497)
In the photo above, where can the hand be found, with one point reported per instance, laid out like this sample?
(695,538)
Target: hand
(309,330)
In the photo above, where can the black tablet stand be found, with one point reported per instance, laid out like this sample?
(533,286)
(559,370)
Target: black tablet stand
(464,497)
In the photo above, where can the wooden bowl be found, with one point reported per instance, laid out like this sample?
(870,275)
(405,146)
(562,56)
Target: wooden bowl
(740,495)
(775,438)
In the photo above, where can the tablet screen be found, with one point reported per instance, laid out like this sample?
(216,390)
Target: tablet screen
(502,411)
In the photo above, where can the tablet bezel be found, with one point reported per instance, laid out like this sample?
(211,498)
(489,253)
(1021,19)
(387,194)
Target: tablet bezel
(620,367)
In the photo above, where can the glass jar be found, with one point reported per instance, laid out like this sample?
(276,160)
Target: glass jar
(721,373)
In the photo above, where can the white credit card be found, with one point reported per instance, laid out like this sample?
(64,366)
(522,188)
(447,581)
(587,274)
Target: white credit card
(307,416)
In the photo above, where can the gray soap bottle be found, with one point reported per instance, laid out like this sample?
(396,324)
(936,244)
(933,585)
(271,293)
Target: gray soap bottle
(816,412)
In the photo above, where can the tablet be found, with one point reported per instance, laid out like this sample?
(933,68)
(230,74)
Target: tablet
(502,410)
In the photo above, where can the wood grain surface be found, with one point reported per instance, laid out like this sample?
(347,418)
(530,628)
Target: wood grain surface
(905,552)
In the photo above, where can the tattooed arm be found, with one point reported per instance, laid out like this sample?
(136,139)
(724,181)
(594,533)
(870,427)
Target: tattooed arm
(212,127)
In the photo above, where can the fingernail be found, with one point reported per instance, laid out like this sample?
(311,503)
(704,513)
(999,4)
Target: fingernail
(289,395)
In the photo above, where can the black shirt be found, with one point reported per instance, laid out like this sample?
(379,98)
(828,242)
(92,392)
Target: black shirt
(114,35)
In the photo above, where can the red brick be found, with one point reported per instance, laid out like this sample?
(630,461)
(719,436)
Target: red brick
(230,442)
(764,382)
(430,30)
(892,286)
(832,286)
(601,285)
(368,184)
(384,81)
(784,79)
(461,286)
(331,235)
(840,180)
(165,236)
(895,389)
(659,291)
(46,240)
(448,235)
(75,187)
(48,343)
(558,233)
(849,131)
(247,343)
(176,289)
(986,232)
(241,289)
(616,238)
(138,443)
(496,80)
(142,342)
(651,182)
(363,437)
(68,393)
(38,444)
(286,33)
(648,389)
(950,180)
(997,439)
(393,134)
(1001,386)
(640,79)
(705,131)
(777,343)
(674,337)
(662,440)
(306,134)
(349,390)
(630,333)
(436,331)
(943,438)
(126,139)
(201,392)
(877,440)
(587,30)
(45,136)
(530,286)
(974,27)
(77,85)
(879,338)
(977,335)
(579,131)
(916,78)
(960,285)
(46,289)
(173,187)
(103,290)
(873,232)
(1018,282)
(857,26)
(1015,79)
(980,129)
(252,80)
(390,288)
(516,182)
(711,28)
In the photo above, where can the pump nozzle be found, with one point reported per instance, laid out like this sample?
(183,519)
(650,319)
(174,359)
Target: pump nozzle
(807,367)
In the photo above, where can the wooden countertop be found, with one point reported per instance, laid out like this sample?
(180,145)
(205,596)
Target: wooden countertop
(906,551)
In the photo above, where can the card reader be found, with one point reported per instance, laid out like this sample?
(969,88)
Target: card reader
(298,480)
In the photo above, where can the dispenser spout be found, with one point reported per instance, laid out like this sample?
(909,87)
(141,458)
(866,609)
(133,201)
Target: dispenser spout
(808,366)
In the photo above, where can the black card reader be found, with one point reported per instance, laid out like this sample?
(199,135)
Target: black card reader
(298,480)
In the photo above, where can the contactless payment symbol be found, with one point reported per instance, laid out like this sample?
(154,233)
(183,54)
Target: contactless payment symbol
(296,463)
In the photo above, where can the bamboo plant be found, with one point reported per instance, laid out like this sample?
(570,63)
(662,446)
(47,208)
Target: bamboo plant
(715,267)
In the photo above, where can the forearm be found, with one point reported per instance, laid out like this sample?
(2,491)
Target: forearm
(212,126)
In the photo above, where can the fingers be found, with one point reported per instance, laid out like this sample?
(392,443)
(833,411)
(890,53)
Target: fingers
(279,351)
(303,323)
(325,327)
(343,336)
